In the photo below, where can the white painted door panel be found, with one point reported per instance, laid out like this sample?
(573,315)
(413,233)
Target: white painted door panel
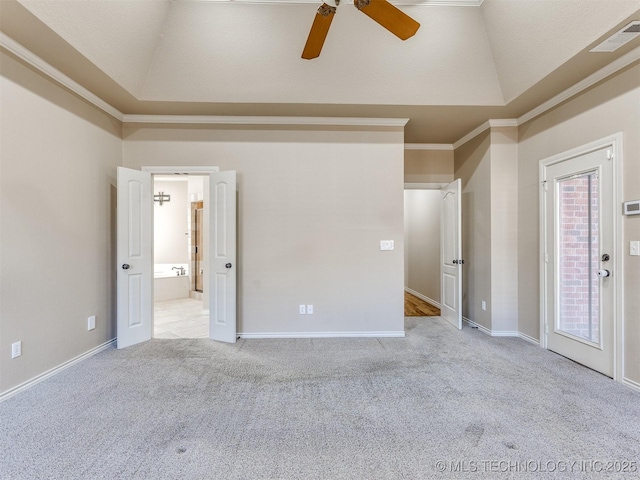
(222,259)
(134,257)
(579,226)
(451,254)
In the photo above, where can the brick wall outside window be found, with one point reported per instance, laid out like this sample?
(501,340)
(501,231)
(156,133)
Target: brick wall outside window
(576,261)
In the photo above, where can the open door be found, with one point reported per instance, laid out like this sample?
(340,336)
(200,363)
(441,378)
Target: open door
(222,259)
(135,262)
(451,254)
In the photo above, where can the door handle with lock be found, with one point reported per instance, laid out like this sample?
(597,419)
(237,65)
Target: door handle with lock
(604,273)
(228,265)
(126,266)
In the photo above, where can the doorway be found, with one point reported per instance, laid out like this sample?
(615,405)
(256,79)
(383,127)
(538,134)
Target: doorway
(422,209)
(580,259)
(178,310)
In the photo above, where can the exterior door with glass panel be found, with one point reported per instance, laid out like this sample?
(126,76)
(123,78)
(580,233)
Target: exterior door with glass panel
(579,227)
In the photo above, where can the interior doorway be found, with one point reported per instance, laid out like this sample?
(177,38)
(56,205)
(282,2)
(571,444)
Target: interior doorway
(178,213)
(422,219)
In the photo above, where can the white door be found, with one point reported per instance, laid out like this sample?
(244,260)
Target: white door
(222,260)
(578,251)
(134,257)
(451,254)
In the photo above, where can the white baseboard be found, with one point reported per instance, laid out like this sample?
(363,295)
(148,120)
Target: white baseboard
(631,384)
(501,333)
(422,297)
(320,334)
(529,339)
(473,324)
(49,373)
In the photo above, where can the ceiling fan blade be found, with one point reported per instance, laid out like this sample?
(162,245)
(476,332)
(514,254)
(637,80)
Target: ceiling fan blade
(391,18)
(319,30)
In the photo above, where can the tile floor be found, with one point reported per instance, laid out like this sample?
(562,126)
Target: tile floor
(182,318)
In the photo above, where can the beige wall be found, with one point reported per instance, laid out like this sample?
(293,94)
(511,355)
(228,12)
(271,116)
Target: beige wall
(428,166)
(422,242)
(58,160)
(504,229)
(313,205)
(610,107)
(473,168)
(170,226)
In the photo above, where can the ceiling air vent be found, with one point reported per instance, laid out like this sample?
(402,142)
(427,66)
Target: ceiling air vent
(618,39)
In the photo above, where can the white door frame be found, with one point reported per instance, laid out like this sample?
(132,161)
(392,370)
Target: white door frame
(615,143)
(187,170)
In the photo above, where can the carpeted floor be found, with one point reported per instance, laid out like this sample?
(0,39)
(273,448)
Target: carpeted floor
(437,404)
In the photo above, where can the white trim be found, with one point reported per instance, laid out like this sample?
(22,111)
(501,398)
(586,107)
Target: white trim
(529,339)
(582,85)
(430,301)
(49,373)
(161,170)
(245,120)
(428,146)
(320,334)
(491,123)
(631,384)
(405,3)
(56,75)
(473,324)
(616,143)
(424,186)
(501,333)
(606,71)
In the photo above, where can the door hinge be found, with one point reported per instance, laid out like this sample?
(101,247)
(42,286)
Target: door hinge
(544,185)
(546,257)
(609,154)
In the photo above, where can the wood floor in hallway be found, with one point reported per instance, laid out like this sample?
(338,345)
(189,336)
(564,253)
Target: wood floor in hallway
(416,307)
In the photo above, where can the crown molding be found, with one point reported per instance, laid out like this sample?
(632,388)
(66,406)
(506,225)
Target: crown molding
(428,146)
(606,71)
(493,123)
(241,120)
(56,75)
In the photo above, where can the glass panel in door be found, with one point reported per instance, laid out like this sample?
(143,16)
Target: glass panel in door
(578,257)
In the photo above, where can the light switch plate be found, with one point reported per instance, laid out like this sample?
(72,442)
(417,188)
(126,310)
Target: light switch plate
(91,322)
(16,349)
(634,248)
(386,245)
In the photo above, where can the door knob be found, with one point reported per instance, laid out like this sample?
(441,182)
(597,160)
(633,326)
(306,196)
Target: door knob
(455,262)
(126,266)
(228,265)
(604,273)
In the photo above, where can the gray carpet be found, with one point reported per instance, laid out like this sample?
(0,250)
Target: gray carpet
(437,404)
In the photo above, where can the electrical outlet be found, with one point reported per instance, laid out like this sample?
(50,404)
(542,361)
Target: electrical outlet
(16,349)
(309,309)
(303,310)
(386,245)
(91,322)
(484,305)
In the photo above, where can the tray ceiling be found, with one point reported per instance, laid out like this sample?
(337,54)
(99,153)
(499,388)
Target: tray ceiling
(488,56)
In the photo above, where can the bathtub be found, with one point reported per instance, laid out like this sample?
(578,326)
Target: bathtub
(167,284)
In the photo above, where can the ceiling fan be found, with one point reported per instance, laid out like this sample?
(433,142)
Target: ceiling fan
(381,11)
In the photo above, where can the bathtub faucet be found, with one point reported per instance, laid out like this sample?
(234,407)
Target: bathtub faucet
(180,270)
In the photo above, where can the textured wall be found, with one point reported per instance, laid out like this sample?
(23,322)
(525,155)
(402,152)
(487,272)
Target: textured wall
(313,205)
(422,241)
(601,111)
(57,223)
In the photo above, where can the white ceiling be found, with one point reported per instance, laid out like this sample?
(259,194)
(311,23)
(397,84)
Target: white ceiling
(248,53)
